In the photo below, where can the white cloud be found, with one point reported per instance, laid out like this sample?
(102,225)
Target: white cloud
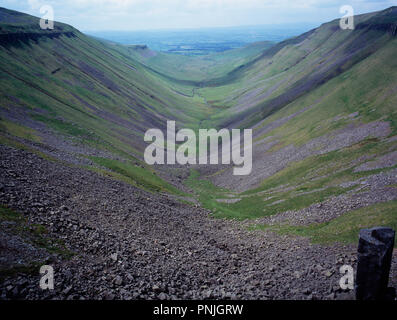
(149,14)
(35,4)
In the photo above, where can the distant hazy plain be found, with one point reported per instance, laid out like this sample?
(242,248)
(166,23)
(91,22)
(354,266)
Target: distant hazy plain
(202,41)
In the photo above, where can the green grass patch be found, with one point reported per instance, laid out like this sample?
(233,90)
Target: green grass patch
(19,131)
(332,166)
(313,180)
(136,175)
(7,214)
(253,206)
(62,126)
(344,229)
(36,235)
(9,141)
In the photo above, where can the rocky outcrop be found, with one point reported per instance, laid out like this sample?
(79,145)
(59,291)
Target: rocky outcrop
(16,39)
(375,251)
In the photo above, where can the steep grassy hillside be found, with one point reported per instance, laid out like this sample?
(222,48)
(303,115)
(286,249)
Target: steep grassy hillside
(322,107)
(295,67)
(61,81)
(323,110)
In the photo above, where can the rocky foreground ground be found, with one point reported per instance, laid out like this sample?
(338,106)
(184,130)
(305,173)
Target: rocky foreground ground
(130,244)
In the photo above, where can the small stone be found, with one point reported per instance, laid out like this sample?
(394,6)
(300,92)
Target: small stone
(15,291)
(118,281)
(67,290)
(307,291)
(330,296)
(130,277)
(328,273)
(109,296)
(162,296)
(207,294)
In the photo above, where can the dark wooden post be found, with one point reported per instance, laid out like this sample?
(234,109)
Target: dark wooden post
(375,249)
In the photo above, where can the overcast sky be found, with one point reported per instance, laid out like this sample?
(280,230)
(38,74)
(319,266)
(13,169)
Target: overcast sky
(95,15)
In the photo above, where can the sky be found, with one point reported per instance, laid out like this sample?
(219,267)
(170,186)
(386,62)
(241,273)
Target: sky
(128,15)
